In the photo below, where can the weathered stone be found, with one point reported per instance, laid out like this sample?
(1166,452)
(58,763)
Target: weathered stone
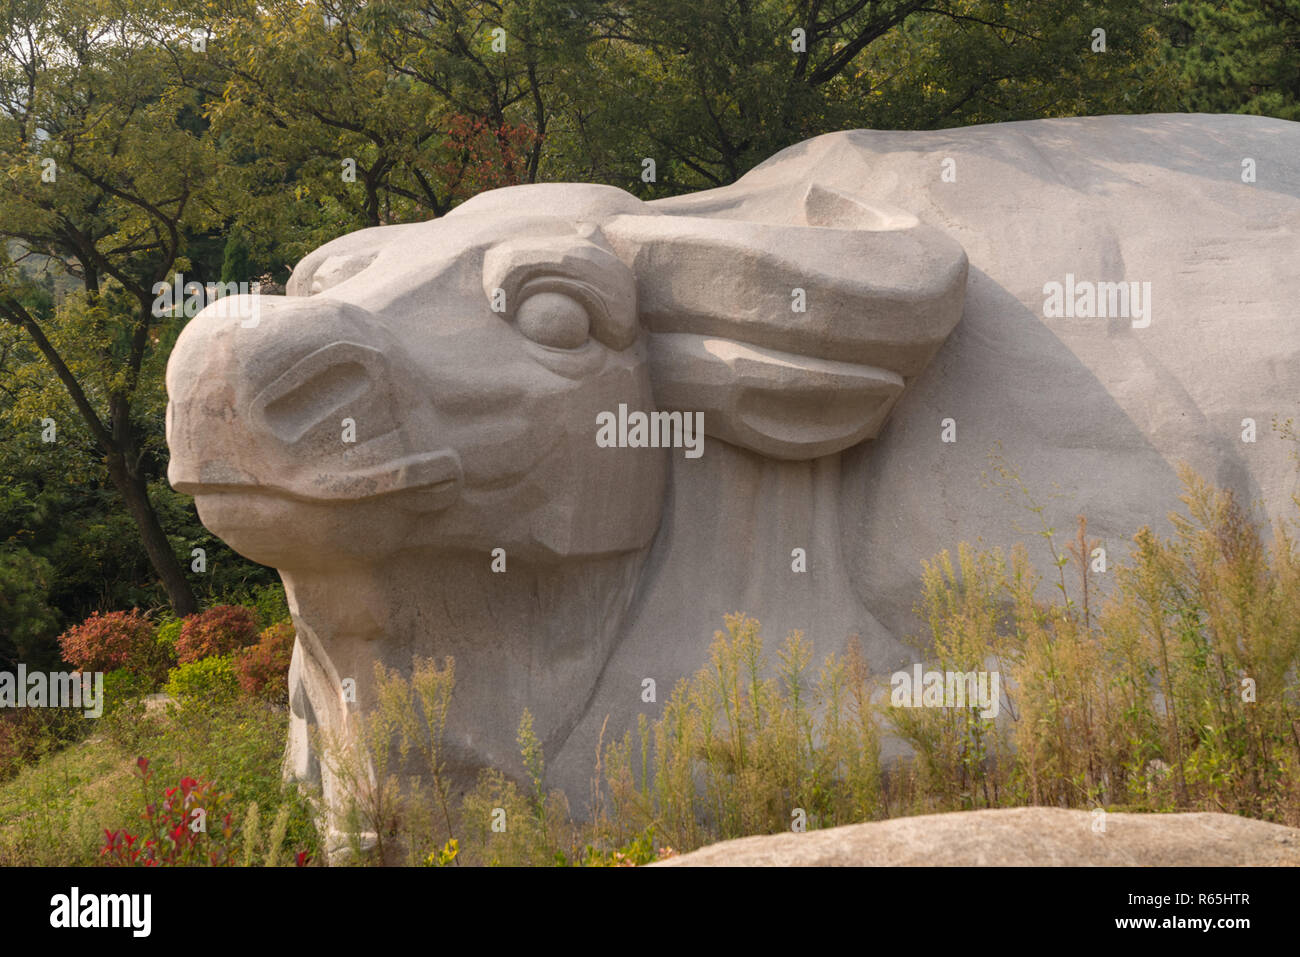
(448,348)
(1018,837)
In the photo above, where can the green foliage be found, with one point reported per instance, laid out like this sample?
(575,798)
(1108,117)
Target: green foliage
(507,825)
(1239,56)
(56,811)
(239,744)
(739,752)
(267,849)
(387,819)
(29,735)
(207,679)
(1218,614)
(235,264)
(53,812)
(958,752)
(193,824)
(267,602)
(366,763)
(122,686)
(27,620)
(736,752)
(127,721)
(168,633)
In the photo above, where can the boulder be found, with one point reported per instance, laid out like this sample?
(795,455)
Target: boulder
(1018,837)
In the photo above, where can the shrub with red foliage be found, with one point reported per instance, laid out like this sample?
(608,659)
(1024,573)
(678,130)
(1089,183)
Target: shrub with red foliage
(172,835)
(218,631)
(263,670)
(120,639)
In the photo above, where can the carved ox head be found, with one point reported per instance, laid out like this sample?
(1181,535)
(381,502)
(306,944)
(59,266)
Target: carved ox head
(470,357)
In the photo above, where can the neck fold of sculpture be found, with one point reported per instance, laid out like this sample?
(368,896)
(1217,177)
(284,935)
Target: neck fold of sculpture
(532,636)
(769,547)
(772,542)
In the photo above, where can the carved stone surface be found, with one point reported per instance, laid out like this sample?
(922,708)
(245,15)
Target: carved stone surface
(477,355)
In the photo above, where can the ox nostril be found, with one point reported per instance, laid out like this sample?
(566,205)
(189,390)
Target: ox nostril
(294,412)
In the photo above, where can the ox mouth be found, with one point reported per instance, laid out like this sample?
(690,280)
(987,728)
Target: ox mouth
(430,481)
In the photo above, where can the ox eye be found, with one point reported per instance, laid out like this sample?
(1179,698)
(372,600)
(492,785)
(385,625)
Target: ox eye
(554,319)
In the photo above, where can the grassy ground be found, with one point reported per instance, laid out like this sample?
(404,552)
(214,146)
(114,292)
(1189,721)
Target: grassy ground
(55,812)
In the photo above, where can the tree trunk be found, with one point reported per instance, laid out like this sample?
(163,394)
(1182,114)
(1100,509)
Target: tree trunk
(116,441)
(135,494)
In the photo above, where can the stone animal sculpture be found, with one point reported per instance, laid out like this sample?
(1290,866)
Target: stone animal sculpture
(808,312)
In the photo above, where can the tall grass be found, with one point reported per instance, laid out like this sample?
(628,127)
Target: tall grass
(740,751)
(1169,682)
(1181,693)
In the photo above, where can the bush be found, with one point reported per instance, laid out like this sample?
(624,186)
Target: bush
(208,679)
(267,602)
(29,734)
(169,836)
(168,633)
(55,812)
(263,669)
(270,604)
(742,744)
(120,639)
(122,685)
(220,630)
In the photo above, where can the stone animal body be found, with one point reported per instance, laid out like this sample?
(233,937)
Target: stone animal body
(826,314)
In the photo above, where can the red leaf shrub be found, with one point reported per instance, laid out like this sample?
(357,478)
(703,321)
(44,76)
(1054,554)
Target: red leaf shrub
(187,825)
(173,834)
(120,639)
(263,670)
(218,631)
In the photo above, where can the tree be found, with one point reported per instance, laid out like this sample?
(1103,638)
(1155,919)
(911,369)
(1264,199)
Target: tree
(342,114)
(709,90)
(228,138)
(105,176)
(1239,56)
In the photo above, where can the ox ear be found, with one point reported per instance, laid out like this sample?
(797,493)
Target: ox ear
(340,259)
(794,340)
